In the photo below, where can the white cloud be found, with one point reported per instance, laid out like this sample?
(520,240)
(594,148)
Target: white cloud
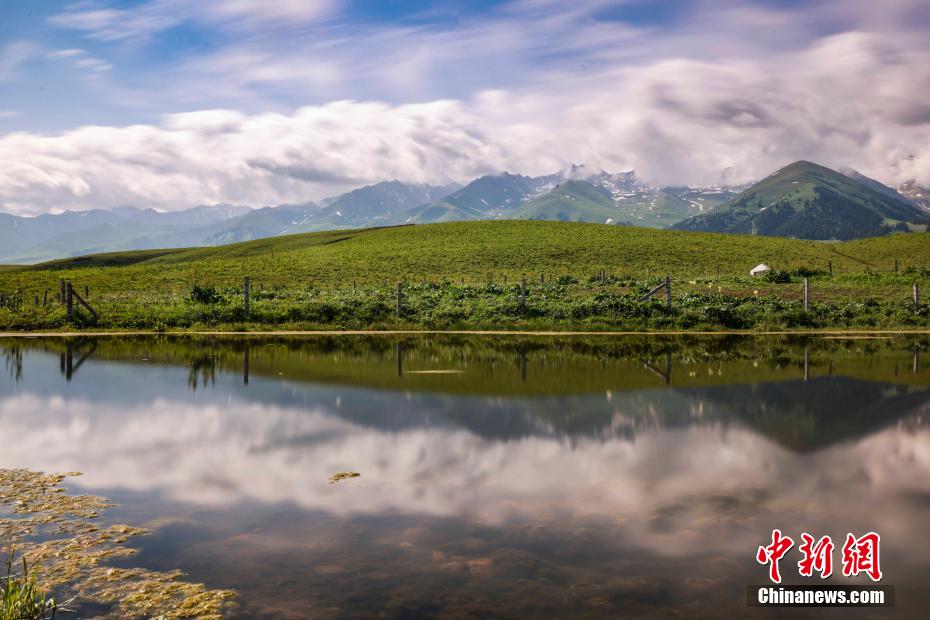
(529,88)
(846,100)
(13,55)
(71,52)
(229,453)
(82,60)
(102,22)
(269,10)
(403,62)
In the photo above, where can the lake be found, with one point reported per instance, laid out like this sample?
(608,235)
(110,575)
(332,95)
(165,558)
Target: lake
(589,477)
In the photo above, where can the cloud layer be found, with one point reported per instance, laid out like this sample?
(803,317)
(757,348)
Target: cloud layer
(729,94)
(226,454)
(102,22)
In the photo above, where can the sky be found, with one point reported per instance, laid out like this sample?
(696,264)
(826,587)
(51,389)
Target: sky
(171,104)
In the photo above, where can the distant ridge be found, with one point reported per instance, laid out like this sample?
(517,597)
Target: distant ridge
(802,200)
(808,201)
(571,201)
(372,205)
(487,197)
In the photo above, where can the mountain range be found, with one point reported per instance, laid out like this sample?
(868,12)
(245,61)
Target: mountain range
(808,201)
(802,200)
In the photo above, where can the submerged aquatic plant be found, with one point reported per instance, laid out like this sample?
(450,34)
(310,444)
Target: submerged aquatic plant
(74,550)
(343,475)
(21,598)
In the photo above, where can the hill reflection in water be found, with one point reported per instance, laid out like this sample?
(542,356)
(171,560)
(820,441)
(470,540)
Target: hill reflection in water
(589,477)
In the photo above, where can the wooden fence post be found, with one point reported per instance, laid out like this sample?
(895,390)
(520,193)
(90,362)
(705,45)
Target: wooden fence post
(45,298)
(400,298)
(69,361)
(523,293)
(245,296)
(830,263)
(668,292)
(86,292)
(806,295)
(916,296)
(896,265)
(61,292)
(69,300)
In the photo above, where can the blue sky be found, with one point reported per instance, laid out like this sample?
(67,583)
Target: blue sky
(124,52)
(104,102)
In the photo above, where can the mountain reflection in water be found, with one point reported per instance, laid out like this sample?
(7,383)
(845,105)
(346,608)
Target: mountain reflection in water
(588,477)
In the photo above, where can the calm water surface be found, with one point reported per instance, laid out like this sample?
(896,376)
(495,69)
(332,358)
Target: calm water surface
(501,477)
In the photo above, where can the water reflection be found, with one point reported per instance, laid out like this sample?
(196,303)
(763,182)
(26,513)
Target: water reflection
(572,477)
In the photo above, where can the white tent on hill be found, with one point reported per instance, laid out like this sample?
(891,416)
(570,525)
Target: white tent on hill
(760,269)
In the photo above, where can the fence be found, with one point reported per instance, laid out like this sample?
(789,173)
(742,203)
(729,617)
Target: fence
(76,304)
(67,298)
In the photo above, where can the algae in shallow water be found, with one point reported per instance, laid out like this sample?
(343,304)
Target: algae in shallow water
(343,475)
(71,552)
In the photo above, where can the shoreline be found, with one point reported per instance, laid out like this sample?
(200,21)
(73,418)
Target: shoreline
(852,333)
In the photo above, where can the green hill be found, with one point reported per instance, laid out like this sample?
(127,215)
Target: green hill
(667,206)
(659,210)
(484,198)
(466,274)
(572,201)
(808,201)
(436,212)
(471,250)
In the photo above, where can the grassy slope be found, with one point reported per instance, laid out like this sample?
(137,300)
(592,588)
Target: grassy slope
(666,208)
(572,201)
(472,250)
(106,259)
(440,211)
(309,281)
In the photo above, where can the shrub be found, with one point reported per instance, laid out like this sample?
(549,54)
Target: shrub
(806,272)
(777,276)
(205,295)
